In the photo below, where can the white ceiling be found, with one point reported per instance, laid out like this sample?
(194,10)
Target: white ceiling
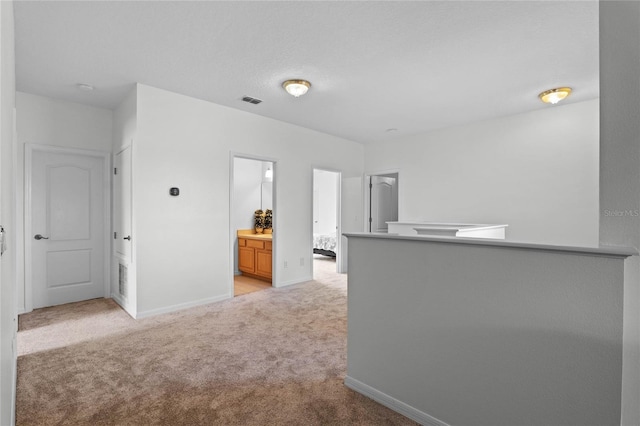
(410,66)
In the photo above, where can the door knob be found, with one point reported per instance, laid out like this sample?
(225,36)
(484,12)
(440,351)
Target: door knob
(128,237)
(40,237)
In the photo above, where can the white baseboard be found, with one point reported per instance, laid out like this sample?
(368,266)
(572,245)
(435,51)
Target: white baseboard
(181,306)
(292,282)
(392,403)
(124,305)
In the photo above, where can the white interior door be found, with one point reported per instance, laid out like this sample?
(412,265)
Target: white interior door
(384,203)
(122,204)
(67,207)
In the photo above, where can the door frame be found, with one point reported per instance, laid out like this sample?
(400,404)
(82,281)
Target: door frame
(232,232)
(106,187)
(128,303)
(366,197)
(338,215)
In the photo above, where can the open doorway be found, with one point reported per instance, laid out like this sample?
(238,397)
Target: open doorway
(326,222)
(252,224)
(381,201)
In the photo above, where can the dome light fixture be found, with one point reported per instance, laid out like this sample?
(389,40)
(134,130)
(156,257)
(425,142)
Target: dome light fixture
(296,88)
(553,96)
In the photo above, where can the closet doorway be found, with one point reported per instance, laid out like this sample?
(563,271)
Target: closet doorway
(326,238)
(252,223)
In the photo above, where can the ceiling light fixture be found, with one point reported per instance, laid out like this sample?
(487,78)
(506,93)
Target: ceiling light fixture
(85,87)
(296,88)
(553,96)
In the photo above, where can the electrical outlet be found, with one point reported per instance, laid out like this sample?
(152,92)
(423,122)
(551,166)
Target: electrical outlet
(302,261)
(285,265)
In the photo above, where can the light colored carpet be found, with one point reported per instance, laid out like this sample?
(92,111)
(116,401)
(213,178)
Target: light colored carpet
(272,357)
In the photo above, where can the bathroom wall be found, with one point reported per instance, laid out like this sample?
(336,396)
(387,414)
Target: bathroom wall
(247,180)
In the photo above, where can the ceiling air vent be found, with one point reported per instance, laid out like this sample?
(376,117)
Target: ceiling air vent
(251,100)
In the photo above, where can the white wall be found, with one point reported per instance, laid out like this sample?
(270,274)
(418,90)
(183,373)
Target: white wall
(620,172)
(47,121)
(8,318)
(124,122)
(537,172)
(486,335)
(183,243)
(326,183)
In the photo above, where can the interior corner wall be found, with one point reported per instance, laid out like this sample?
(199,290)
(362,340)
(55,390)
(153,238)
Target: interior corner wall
(620,173)
(8,316)
(183,247)
(536,172)
(46,121)
(124,122)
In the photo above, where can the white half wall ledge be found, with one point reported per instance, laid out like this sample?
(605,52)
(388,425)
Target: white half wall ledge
(487,332)
(605,251)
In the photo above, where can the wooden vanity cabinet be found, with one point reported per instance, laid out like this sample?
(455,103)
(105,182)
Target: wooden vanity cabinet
(254,258)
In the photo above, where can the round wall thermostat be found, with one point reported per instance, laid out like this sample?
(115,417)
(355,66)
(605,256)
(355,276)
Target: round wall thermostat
(174,191)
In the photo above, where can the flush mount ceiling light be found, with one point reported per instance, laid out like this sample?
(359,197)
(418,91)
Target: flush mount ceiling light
(296,88)
(553,96)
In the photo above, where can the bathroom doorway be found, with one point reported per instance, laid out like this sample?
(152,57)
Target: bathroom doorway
(252,224)
(326,236)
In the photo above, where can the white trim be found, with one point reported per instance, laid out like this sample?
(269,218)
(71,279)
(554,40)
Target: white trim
(29,149)
(392,403)
(232,232)
(295,281)
(181,306)
(338,216)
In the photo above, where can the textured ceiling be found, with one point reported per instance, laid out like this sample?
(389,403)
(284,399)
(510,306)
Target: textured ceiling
(410,66)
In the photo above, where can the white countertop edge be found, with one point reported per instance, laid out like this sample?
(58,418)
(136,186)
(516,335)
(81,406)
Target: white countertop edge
(459,228)
(455,225)
(605,251)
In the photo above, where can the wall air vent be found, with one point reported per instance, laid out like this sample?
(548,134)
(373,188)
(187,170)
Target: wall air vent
(251,100)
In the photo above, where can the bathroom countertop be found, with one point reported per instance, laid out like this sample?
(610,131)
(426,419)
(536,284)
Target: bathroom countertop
(250,234)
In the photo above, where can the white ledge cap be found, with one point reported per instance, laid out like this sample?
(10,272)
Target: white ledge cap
(605,251)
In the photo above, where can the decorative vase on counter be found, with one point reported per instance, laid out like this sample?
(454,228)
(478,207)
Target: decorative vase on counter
(258,221)
(268,221)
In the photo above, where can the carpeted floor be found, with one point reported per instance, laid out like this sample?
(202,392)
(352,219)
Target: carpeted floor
(272,357)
